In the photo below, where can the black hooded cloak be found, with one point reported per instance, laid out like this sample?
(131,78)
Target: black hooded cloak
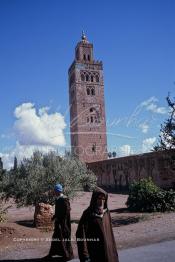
(61,244)
(95,238)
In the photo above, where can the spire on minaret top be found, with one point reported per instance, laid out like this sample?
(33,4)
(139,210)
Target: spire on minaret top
(83,37)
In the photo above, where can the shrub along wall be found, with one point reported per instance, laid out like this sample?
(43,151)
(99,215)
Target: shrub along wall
(145,196)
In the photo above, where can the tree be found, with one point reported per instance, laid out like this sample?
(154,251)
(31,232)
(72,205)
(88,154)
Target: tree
(3,178)
(109,154)
(167,131)
(15,163)
(3,183)
(1,165)
(34,178)
(114,154)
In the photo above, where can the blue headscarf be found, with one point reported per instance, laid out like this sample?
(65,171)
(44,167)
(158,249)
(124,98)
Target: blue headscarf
(58,188)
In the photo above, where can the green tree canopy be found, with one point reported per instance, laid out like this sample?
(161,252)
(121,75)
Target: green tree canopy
(33,180)
(167,131)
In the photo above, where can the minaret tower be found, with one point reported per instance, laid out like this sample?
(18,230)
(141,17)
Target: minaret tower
(87,109)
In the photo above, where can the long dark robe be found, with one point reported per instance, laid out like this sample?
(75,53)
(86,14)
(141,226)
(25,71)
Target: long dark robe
(95,238)
(61,244)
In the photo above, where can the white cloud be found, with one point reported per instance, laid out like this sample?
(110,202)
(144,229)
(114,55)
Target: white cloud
(147,144)
(125,150)
(38,129)
(21,152)
(34,131)
(43,110)
(144,127)
(155,109)
(147,102)
(151,105)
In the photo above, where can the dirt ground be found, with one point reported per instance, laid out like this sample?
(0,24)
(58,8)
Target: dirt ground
(18,237)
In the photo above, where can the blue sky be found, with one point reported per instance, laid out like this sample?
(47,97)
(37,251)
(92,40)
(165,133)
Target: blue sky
(134,39)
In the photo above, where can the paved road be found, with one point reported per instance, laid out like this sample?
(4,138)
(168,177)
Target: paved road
(160,252)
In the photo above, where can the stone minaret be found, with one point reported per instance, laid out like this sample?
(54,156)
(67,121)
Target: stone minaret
(87,109)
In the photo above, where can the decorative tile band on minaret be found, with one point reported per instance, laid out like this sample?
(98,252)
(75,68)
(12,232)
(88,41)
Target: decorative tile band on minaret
(87,107)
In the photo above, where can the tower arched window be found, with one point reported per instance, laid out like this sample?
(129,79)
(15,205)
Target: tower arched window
(92,120)
(84,57)
(77,54)
(88,91)
(94,148)
(97,78)
(82,77)
(88,57)
(87,77)
(93,92)
(91,110)
(92,79)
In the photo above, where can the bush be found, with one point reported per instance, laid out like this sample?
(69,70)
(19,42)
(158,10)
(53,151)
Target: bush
(145,196)
(168,201)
